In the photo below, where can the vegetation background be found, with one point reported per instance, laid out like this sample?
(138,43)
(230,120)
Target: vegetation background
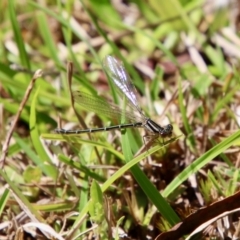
(183,58)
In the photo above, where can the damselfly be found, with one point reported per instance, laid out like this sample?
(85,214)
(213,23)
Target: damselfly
(133,115)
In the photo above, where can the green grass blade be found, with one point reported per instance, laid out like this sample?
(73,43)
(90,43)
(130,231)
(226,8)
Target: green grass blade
(17,34)
(184,115)
(3,200)
(48,39)
(149,189)
(77,139)
(201,162)
(35,135)
(47,169)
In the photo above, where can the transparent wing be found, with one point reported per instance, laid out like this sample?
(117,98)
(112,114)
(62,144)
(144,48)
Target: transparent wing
(121,79)
(103,107)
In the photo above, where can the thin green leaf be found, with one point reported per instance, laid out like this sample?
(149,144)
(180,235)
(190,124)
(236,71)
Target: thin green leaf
(201,162)
(18,36)
(34,132)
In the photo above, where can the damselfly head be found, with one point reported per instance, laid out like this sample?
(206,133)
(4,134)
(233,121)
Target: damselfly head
(166,131)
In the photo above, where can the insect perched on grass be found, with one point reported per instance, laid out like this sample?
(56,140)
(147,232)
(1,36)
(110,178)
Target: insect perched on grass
(125,88)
